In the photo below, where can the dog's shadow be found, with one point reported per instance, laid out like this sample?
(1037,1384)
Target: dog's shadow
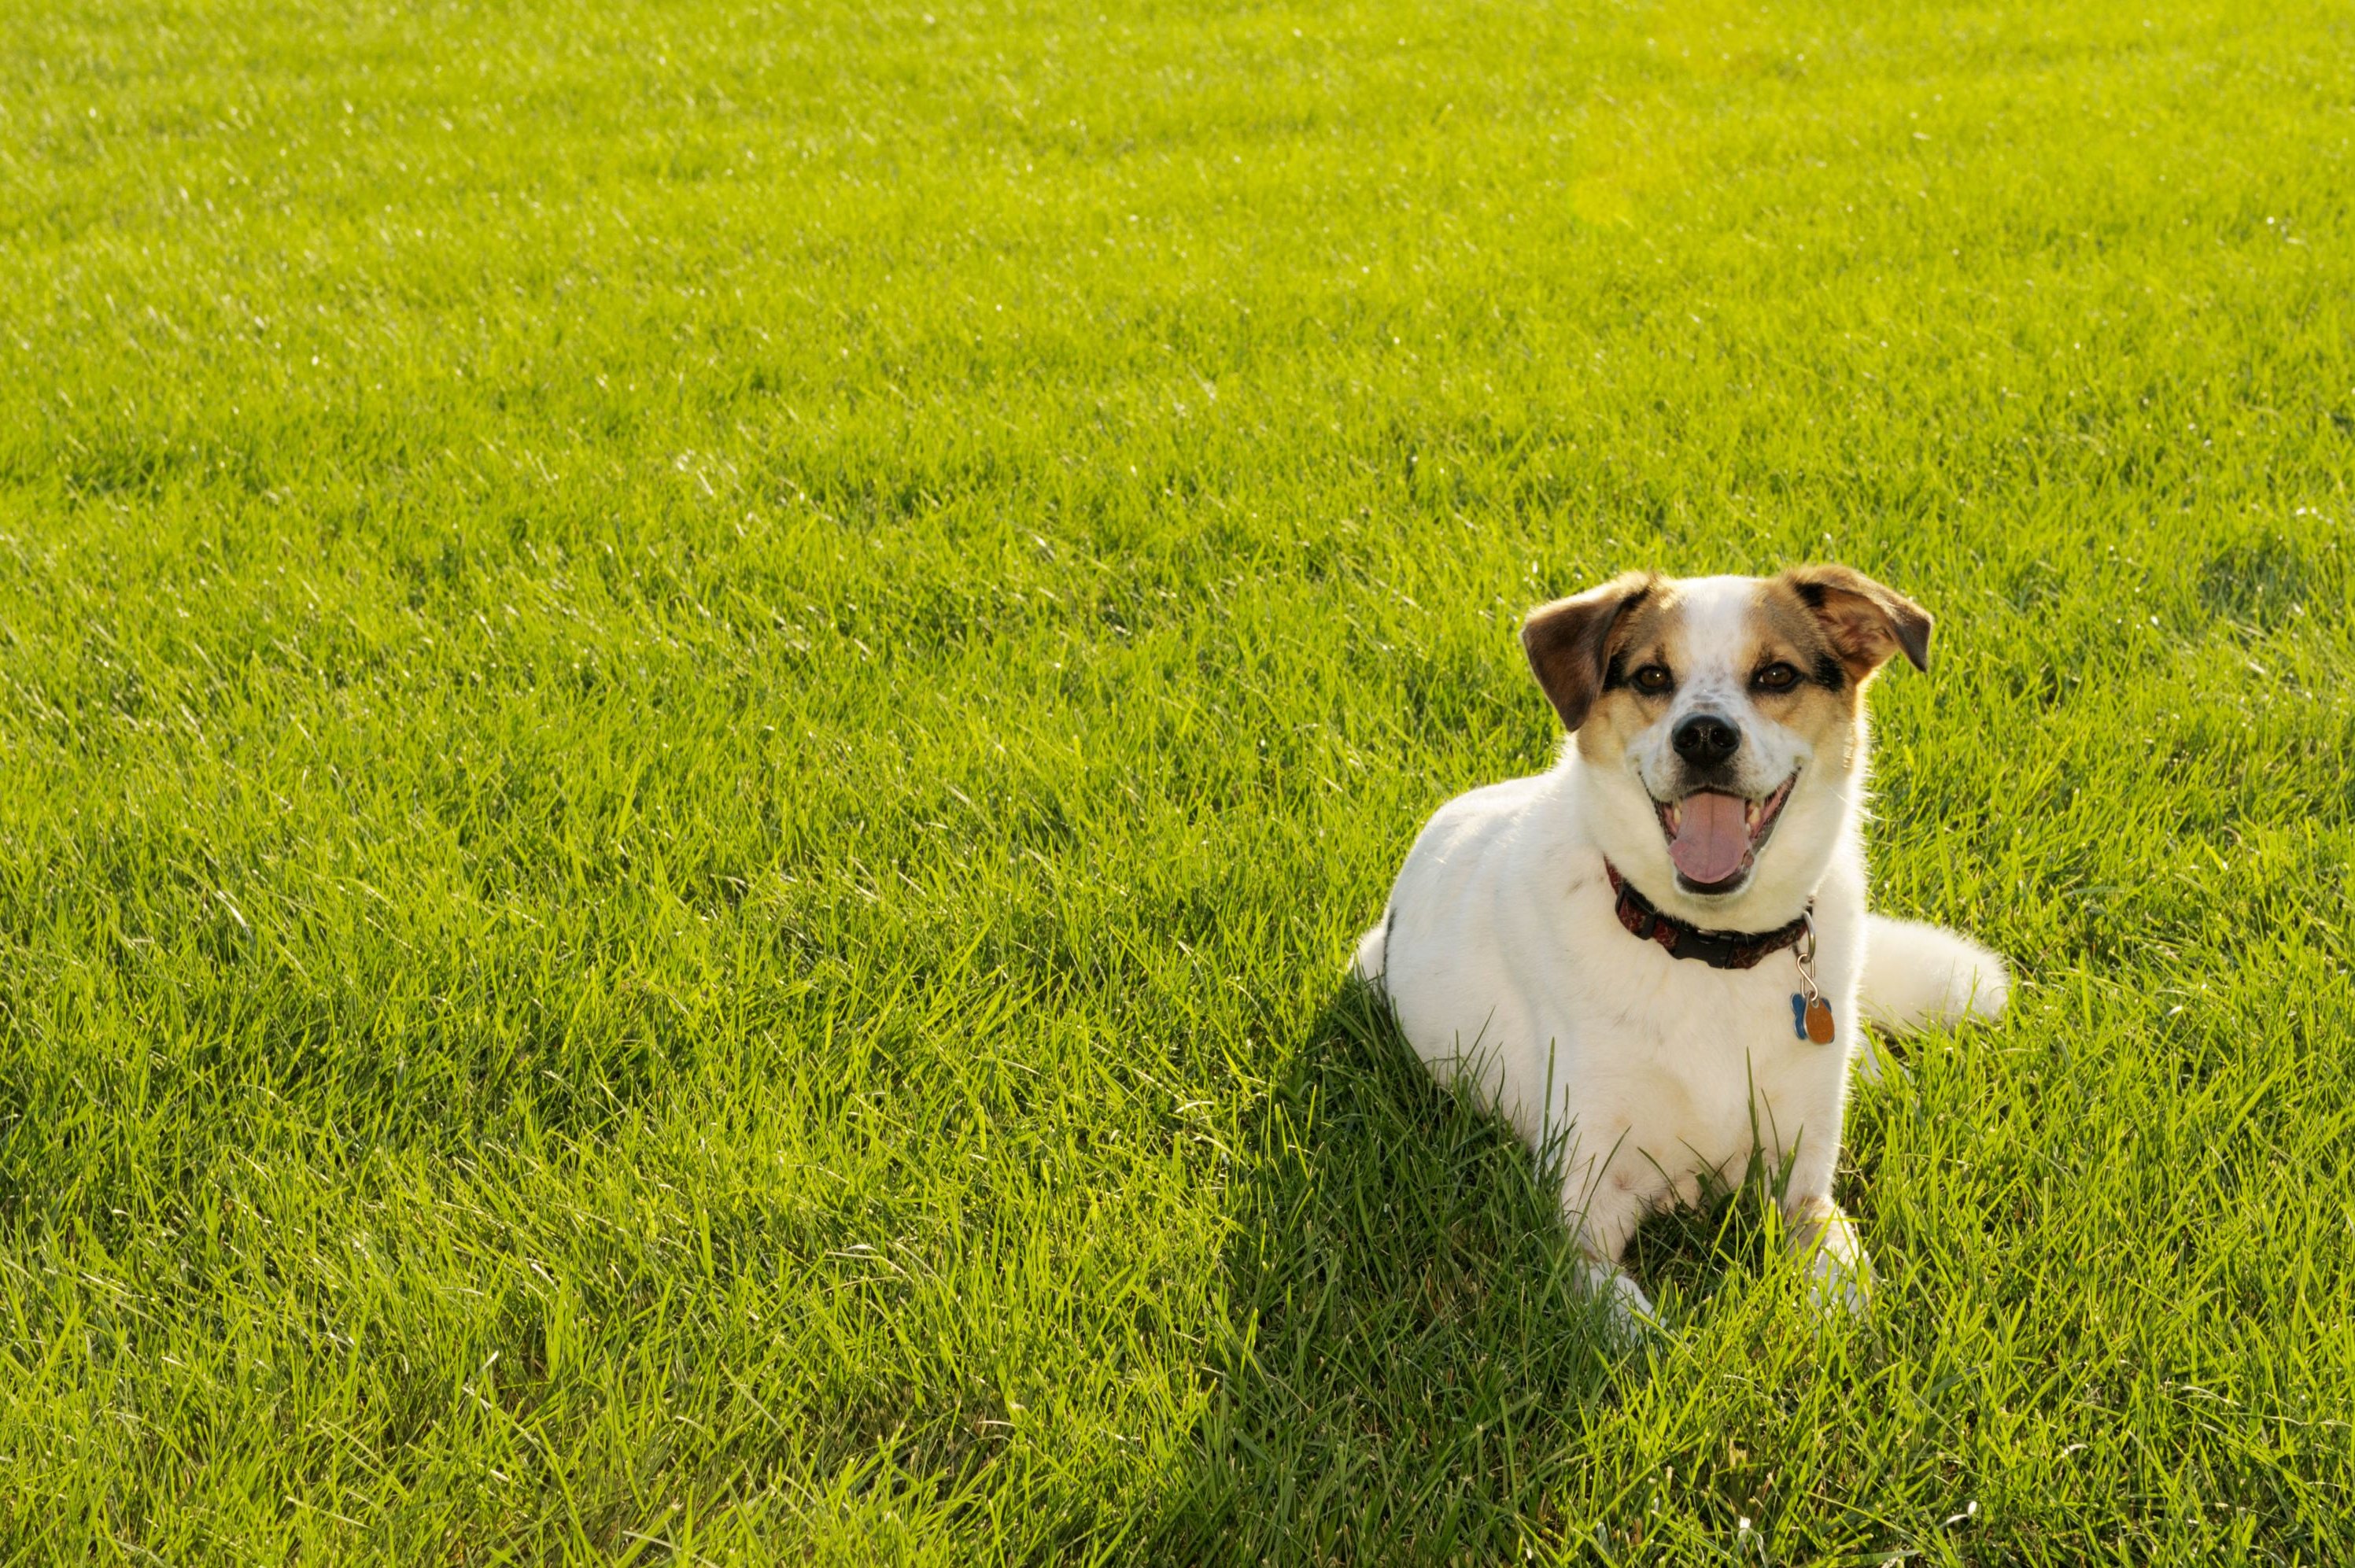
(1408,1353)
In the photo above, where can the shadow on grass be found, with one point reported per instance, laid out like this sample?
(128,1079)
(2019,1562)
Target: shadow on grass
(1411,1364)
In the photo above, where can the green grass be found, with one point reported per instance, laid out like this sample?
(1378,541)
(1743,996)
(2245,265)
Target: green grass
(696,703)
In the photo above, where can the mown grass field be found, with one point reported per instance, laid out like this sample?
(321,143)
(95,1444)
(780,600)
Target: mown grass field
(696,703)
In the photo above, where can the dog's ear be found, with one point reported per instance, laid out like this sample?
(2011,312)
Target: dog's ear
(1867,623)
(1569,641)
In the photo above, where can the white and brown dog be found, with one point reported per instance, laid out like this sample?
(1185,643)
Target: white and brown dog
(1655,960)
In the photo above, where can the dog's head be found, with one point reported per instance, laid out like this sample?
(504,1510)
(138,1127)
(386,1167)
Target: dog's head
(1721,722)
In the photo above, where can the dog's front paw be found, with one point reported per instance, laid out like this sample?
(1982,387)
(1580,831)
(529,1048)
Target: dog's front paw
(1840,1286)
(1628,1311)
(1839,1276)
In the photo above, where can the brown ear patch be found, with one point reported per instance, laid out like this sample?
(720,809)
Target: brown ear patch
(1868,624)
(1569,641)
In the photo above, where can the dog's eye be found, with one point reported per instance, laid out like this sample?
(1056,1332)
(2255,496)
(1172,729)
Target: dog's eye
(1654,678)
(1776,676)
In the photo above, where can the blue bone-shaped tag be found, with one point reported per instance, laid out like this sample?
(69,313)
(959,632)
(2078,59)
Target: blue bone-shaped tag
(1798,1015)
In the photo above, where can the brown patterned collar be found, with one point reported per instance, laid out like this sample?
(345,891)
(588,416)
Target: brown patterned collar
(1718,949)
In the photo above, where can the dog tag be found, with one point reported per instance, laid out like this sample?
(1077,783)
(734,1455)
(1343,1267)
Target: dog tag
(1819,1020)
(1811,1016)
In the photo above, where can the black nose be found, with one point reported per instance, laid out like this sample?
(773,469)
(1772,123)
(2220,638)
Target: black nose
(1705,740)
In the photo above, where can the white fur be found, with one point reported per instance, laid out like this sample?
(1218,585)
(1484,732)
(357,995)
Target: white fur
(1643,1076)
(1921,976)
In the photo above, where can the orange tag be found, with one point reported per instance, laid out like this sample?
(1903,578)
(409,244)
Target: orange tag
(1819,1020)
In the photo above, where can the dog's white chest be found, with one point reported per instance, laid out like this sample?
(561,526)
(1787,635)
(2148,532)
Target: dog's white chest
(1655,1072)
(1708,1068)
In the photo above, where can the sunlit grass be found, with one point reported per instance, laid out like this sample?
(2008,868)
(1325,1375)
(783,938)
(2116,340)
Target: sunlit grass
(697,703)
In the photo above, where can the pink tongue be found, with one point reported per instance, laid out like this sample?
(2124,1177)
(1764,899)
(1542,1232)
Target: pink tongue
(1712,837)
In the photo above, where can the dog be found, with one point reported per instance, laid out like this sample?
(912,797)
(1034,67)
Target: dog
(1654,959)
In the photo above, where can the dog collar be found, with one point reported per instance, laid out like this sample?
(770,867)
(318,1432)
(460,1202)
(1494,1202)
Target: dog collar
(1718,949)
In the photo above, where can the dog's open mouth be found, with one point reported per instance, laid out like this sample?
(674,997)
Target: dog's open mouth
(1714,837)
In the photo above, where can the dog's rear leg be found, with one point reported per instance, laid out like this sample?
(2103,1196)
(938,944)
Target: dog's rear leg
(1920,976)
(1372,958)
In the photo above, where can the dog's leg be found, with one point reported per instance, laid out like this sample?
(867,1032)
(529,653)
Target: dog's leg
(1920,976)
(1838,1274)
(1602,1217)
(1606,1282)
(1872,1059)
(1371,961)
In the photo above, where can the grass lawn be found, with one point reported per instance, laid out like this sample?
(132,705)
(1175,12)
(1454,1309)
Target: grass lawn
(696,703)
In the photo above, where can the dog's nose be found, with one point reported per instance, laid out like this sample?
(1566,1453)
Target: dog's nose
(1705,740)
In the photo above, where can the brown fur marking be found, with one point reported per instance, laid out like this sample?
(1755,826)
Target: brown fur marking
(1789,631)
(1866,624)
(1570,641)
(1652,631)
